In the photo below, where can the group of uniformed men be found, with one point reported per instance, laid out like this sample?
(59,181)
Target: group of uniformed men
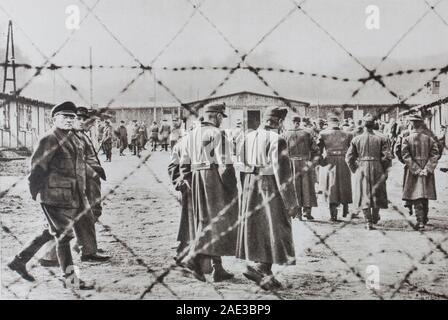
(241,203)
(238,199)
(66,175)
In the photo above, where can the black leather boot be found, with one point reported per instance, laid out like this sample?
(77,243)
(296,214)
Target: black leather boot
(219,273)
(19,266)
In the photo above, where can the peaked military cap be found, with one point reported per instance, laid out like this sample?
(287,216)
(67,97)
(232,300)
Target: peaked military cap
(64,107)
(283,113)
(82,112)
(275,111)
(296,119)
(219,108)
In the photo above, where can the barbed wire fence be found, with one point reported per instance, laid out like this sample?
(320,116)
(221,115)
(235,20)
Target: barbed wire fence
(159,277)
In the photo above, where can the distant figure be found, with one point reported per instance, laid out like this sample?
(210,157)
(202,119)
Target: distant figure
(142,137)
(106,142)
(100,134)
(122,133)
(175,133)
(134,137)
(129,131)
(164,133)
(154,137)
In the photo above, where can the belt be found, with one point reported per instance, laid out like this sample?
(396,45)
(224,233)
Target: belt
(207,166)
(421,158)
(369,159)
(336,152)
(305,158)
(262,171)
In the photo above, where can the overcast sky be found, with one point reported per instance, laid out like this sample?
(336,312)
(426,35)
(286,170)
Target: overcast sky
(145,27)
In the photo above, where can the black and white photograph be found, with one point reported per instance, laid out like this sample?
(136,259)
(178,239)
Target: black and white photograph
(231,150)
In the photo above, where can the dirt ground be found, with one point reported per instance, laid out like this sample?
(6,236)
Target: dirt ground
(139,227)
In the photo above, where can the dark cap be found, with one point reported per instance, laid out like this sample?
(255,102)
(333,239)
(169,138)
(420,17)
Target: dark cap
(218,108)
(283,113)
(415,117)
(274,111)
(296,119)
(82,112)
(64,107)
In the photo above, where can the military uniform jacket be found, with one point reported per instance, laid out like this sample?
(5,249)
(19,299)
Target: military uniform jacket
(334,144)
(304,154)
(58,170)
(369,158)
(419,151)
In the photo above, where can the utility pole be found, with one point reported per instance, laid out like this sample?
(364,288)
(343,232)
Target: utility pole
(9,58)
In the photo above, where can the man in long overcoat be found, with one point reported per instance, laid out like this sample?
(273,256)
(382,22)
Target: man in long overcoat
(164,134)
(107,140)
(154,136)
(420,152)
(268,202)
(207,166)
(58,176)
(369,157)
(122,134)
(186,233)
(337,189)
(304,154)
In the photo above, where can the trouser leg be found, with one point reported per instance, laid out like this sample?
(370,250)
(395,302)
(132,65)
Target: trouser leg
(376,215)
(34,246)
(345,209)
(425,210)
(60,221)
(419,211)
(368,216)
(64,253)
(334,211)
(85,234)
(307,213)
(93,190)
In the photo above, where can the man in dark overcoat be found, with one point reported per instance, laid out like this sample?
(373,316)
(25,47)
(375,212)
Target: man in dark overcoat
(369,158)
(337,188)
(304,154)
(420,152)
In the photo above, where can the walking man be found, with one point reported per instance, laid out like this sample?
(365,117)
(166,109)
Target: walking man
(268,202)
(337,188)
(304,154)
(369,157)
(58,176)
